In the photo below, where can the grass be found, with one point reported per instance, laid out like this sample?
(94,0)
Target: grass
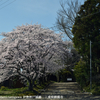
(4,91)
(12,92)
(95,89)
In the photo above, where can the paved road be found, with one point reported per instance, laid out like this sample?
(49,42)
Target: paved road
(63,91)
(67,91)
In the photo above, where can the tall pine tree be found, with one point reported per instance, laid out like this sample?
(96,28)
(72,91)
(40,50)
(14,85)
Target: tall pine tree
(86,28)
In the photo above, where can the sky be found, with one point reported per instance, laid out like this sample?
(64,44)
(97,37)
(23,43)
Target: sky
(17,12)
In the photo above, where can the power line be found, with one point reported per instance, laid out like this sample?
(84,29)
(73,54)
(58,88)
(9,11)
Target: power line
(4,2)
(7,4)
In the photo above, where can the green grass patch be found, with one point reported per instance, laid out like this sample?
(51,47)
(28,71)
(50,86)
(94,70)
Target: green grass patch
(11,92)
(4,91)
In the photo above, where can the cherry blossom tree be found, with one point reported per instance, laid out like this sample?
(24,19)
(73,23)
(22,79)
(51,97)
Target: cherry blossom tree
(28,50)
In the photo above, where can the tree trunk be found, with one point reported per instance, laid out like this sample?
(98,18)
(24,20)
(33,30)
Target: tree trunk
(57,76)
(43,79)
(46,78)
(30,88)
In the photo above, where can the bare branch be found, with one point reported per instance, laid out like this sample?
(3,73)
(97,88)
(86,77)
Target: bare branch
(66,17)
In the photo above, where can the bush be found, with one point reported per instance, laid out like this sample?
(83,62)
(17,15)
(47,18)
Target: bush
(95,88)
(96,91)
(64,73)
(81,73)
(3,88)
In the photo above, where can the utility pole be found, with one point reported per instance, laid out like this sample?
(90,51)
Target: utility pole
(90,68)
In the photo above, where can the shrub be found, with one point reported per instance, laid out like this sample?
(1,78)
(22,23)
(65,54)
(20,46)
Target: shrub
(3,88)
(64,73)
(81,73)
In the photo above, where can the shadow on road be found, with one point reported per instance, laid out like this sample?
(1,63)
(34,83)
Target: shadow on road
(67,90)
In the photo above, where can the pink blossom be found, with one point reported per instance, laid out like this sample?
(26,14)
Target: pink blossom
(32,48)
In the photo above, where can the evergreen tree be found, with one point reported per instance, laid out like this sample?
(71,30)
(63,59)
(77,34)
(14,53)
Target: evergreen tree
(86,28)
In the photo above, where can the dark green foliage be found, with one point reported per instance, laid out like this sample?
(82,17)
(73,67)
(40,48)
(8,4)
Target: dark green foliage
(95,88)
(81,73)
(86,28)
(3,88)
(64,74)
(75,57)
